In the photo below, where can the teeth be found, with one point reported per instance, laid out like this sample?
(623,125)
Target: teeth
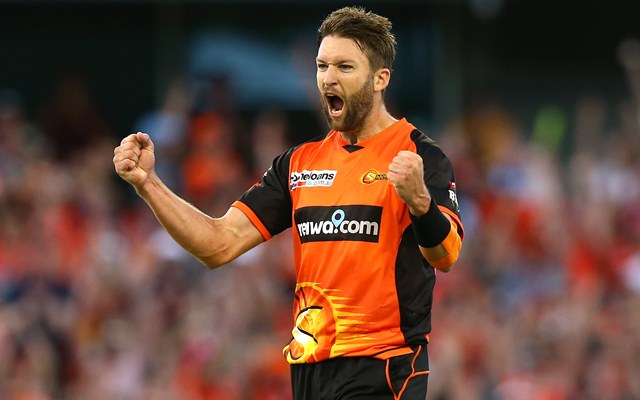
(335,103)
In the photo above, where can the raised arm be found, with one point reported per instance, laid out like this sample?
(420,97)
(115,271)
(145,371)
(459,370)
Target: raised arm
(213,241)
(436,233)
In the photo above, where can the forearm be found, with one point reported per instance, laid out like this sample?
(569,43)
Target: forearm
(437,236)
(444,255)
(199,234)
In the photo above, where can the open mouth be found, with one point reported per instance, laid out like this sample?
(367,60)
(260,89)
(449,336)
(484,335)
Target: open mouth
(335,104)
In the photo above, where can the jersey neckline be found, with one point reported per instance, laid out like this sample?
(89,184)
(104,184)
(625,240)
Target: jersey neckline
(380,136)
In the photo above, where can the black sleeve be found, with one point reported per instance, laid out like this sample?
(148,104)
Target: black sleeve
(269,199)
(438,172)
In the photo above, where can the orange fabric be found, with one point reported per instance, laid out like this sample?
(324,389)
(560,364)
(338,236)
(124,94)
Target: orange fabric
(394,352)
(348,299)
(354,318)
(452,244)
(455,219)
(254,219)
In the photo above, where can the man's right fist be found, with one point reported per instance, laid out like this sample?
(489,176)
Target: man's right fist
(134,159)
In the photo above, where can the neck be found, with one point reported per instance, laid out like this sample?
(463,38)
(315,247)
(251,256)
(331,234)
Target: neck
(375,123)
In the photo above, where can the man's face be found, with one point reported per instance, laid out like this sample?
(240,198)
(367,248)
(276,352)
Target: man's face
(345,82)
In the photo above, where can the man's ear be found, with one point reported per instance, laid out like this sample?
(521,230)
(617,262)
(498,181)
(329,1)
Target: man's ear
(381,79)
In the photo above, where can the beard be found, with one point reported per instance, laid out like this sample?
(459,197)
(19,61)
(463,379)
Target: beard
(357,107)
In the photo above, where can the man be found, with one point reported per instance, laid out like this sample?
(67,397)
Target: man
(372,208)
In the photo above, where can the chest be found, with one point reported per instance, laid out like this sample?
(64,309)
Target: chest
(337,178)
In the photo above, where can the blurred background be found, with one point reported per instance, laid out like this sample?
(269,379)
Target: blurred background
(536,102)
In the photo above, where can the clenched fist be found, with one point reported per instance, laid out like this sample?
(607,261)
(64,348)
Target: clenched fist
(134,159)
(407,176)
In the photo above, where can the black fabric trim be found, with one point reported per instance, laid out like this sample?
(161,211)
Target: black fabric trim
(439,175)
(415,280)
(352,147)
(430,228)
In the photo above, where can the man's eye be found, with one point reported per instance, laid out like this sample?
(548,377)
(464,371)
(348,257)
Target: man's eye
(346,67)
(322,67)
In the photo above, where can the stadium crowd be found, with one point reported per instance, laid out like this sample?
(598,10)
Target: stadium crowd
(97,302)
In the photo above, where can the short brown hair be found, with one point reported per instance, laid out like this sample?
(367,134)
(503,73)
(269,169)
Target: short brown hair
(371,32)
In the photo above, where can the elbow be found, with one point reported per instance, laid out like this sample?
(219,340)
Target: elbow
(446,269)
(211,263)
(444,264)
(445,255)
(216,260)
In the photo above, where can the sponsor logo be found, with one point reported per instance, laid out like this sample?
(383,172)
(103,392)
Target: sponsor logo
(454,200)
(351,223)
(312,178)
(372,176)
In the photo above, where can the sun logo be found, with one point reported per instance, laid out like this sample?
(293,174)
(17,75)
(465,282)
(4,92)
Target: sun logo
(325,325)
(314,330)
(304,342)
(372,175)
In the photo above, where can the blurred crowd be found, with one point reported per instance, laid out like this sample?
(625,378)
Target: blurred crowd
(97,302)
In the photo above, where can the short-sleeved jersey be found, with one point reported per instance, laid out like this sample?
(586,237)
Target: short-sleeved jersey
(363,287)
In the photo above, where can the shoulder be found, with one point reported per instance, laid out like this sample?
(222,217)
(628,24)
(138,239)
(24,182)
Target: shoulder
(308,148)
(429,150)
(437,165)
(285,157)
(424,144)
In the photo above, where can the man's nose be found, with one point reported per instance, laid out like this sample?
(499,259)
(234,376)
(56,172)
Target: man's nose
(329,77)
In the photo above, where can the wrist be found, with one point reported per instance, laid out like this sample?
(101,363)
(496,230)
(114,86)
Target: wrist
(421,204)
(430,228)
(420,209)
(147,187)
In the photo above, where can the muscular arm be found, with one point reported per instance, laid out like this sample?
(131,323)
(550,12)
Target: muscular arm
(444,255)
(406,174)
(213,241)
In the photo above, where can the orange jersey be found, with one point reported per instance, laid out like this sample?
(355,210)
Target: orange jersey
(363,287)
